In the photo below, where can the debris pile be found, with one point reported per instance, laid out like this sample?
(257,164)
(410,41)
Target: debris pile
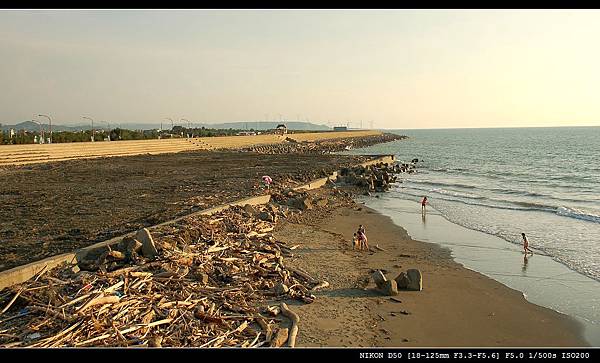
(204,281)
(378,177)
(207,281)
(322,147)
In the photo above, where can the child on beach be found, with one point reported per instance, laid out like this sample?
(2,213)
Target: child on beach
(526,244)
(423,203)
(355,242)
(362,237)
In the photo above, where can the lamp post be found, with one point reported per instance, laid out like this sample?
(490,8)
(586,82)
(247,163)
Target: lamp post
(41,131)
(91,119)
(50,121)
(186,120)
(172,125)
(108,123)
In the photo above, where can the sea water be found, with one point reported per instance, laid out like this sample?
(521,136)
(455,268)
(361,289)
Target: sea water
(544,182)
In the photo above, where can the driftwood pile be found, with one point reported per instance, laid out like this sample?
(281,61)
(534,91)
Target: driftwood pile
(213,281)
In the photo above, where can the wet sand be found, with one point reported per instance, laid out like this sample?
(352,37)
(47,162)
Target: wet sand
(458,307)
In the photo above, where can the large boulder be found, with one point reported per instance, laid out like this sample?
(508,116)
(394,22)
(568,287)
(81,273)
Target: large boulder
(148,247)
(402,281)
(379,279)
(390,288)
(415,280)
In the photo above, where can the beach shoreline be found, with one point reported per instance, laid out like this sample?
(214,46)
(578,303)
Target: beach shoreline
(457,307)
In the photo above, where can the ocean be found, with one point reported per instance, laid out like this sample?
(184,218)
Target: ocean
(544,182)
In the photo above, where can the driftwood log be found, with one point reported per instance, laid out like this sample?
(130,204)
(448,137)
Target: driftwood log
(295,320)
(280,338)
(323,284)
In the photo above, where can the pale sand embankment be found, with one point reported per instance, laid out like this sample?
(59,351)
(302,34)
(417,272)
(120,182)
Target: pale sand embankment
(36,153)
(457,307)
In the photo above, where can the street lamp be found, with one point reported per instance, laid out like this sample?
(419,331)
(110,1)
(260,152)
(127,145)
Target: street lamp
(41,131)
(170,119)
(91,119)
(188,122)
(50,120)
(108,123)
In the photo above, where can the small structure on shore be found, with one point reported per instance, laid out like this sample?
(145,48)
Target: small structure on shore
(281,129)
(340,128)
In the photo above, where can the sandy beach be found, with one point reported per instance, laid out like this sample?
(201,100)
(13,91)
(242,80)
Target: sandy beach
(224,258)
(457,307)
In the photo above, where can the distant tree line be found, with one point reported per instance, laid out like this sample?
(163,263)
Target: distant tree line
(29,137)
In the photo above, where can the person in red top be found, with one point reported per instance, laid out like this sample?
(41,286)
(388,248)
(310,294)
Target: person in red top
(268,181)
(423,203)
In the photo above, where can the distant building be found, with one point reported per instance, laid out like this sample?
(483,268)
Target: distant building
(281,129)
(246,133)
(340,128)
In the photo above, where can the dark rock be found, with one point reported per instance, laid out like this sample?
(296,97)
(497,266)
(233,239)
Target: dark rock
(415,280)
(402,281)
(379,279)
(265,216)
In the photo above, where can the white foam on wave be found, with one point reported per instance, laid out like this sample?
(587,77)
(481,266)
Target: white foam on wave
(456,194)
(578,214)
(472,199)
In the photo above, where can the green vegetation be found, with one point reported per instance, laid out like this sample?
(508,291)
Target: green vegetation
(28,137)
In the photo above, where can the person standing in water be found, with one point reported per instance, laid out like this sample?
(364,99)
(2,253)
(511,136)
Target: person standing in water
(526,244)
(423,203)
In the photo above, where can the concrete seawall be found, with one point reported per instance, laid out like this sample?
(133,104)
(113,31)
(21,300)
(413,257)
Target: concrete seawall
(22,273)
(34,153)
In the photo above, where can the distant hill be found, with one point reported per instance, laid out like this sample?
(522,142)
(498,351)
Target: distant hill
(32,126)
(261,125)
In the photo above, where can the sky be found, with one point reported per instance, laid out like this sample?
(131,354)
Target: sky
(399,69)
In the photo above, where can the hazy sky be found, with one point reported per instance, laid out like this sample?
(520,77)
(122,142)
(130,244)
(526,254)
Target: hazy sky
(397,68)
